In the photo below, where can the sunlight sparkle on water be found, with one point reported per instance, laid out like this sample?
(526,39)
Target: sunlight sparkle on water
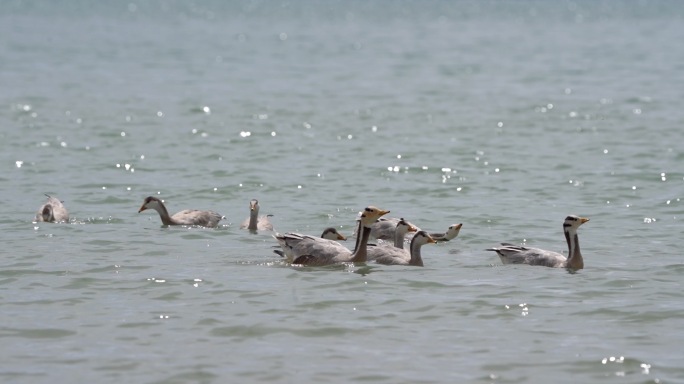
(19,163)
(613,359)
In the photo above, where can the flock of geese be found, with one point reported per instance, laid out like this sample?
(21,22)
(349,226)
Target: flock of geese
(390,233)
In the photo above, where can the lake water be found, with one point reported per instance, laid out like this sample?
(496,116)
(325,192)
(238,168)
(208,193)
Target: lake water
(503,116)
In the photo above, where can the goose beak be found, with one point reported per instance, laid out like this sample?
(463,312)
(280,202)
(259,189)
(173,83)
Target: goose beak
(382,212)
(431,240)
(413,228)
(142,208)
(252,205)
(340,237)
(583,220)
(458,226)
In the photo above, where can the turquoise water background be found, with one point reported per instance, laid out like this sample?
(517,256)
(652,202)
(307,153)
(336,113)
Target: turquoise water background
(503,116)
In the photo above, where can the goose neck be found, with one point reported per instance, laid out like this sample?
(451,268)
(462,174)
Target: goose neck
(416,258)
(575,260)
(360,254)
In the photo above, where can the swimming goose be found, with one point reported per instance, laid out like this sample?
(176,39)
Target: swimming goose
(396,256)
(208,219)
(53,211)
(254,221)
(325,255)
(293,246)
(514,254)
(384,228)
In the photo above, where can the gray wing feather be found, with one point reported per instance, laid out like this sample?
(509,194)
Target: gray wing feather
(515,254)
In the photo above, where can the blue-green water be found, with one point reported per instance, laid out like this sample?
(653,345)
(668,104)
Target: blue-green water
(503,116)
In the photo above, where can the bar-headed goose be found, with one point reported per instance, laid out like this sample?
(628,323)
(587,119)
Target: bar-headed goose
(293,246)
(53,211)
(208,219)
(326,254)
(396,256)
(514,254)
(255,222)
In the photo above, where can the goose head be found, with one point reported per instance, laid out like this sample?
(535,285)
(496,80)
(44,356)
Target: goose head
(402,225)
(332,234)
(453,230)
(254,206)
(572,222)
(422,238)
(151,203)
(370,214)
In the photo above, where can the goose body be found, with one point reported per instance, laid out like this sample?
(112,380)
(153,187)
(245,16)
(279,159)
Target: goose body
(255,222)
(326,254)
(208,219)
(515,254)
(296,244)
(53,211)
(400,256)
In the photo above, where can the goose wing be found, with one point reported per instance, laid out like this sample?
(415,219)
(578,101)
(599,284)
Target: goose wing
(295,245)
(196,217)
(516,254)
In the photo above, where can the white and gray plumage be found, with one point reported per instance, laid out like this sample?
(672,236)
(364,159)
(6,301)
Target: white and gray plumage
(514,254)
(293,246)
(53,211)
(326,254)
(208,219)
(397,256)
(255,222)
(384,229)
(450,234)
